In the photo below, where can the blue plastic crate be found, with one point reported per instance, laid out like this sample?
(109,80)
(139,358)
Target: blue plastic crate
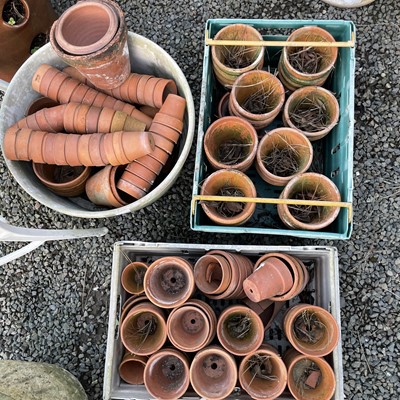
(333,154)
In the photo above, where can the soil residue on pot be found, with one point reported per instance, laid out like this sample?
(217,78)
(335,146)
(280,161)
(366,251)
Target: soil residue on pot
(308,328)
(173,281)
(306,375)
(239,326)
(260,367)
(306,60)
(282,161)
(233,152)
(14,12)
(310,115)
(65,173)
(261,101)
(214,366)
(172,368)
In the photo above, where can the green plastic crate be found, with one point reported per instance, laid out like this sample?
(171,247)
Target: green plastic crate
(335,150)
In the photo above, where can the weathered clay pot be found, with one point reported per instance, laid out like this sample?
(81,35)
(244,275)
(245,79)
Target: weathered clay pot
(130,303)
(45,119)
(223,106)
(306,98)
(240,330)
(132,277)
(294,79)
(166,375)
(320,383)
(213,373)
(92,37)
(150,111)
(169,282)
(136,180)
(65,181)
(16,40)
(316,338)
(251,58)
(269,381)
(312,185)
(267,310)
(131,369)
(188,328)
(223,137)
(257,90)
(39,104)
(130,189)
(144,331)
(228,179)
(277,146)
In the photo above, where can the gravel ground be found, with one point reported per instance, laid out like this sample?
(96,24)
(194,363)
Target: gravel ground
(54,302)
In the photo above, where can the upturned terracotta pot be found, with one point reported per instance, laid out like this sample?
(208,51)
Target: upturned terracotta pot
(269,279)
(282,154)
(188,328)
(166,375)
(257,97)
(144,330)
(132,277)
(229,62)
(290,76)
(60,87)
(213,373)
(92,37)
(309,378)
(16,40)
(220,180)
(169,282)
(65,181)
(231,143)
(267,310)
(304,99)
(136,180)
(240,330)
(223,106)
(263,374)
(309,186)
(311,330)
(131,369)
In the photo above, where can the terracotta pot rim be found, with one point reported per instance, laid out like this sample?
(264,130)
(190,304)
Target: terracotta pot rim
(27,16)
(125,271)
(128,358)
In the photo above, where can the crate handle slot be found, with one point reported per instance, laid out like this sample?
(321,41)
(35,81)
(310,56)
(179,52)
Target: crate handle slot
(261,200)
(280,43)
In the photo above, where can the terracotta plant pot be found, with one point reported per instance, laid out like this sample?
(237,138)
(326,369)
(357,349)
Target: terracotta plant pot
(150,111)
(298,111)
(229,62)
(262,374)
(213,373)
(311,330)
(130,303)
(309,186)
(131,369)
(169,282)
(223,106)
(166,375)
(16,40)
(289,71)
(231,143)
(257,97)
(144,330)
(228,181)
(309,378)
(92,37)
(65,181)
(132,277)
(188,328)
(269,279)
(282,154)
(240,330)
(60,87)
(267,310)
(39,104)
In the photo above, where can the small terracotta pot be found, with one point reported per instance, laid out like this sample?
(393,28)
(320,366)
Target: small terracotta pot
(324,381)
(269,279)
(39,104)
(233,179)
(131,369)
(323,341)
(167,120)
(130,303)
(144,330)
(267,310)
(294,79)
(188,328)
(174,106)
(271,366)
(254,56)
(142,172)
(130,189)
(45,119)
(65,181)
(316,186)
(247,87)
(213,373)
(132,277)
(240,330)
(275,144)
(88,36)
(161,142)
(232,131)
(166,375)
(223,106)
(135,180)
(306,98)
(169,282)
(150,111)
(74,73)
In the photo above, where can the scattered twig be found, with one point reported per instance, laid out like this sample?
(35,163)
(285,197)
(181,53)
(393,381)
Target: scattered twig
(310,114)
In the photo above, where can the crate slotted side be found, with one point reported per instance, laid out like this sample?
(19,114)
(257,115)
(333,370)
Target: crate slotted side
(333,155)
(323,290)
